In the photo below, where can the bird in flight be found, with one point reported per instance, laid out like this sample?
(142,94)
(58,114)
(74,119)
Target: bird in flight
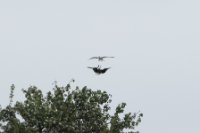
(98,69)
(101,58)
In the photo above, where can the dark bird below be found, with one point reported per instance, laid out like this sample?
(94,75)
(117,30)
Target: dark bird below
(98,69)
(101,58)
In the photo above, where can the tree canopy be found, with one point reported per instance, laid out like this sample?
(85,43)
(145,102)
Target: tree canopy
(66,110)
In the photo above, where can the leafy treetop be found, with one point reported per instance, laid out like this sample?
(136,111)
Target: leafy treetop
(66,110)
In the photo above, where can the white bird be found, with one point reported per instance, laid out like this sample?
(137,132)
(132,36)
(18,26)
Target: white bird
(101,58)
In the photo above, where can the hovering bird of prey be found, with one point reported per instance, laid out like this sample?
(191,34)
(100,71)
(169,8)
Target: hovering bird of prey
(98,69)
(101,58)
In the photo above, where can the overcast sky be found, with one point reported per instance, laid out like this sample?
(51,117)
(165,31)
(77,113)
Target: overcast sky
(155,42)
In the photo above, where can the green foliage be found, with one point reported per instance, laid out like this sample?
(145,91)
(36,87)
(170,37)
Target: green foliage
(65,110)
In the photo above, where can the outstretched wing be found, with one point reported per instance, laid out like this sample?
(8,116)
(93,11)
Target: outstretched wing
(95,57)
(107,57)
(97,70)
(104,70)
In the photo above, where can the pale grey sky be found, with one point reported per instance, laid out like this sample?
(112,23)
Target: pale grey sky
(156,45)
